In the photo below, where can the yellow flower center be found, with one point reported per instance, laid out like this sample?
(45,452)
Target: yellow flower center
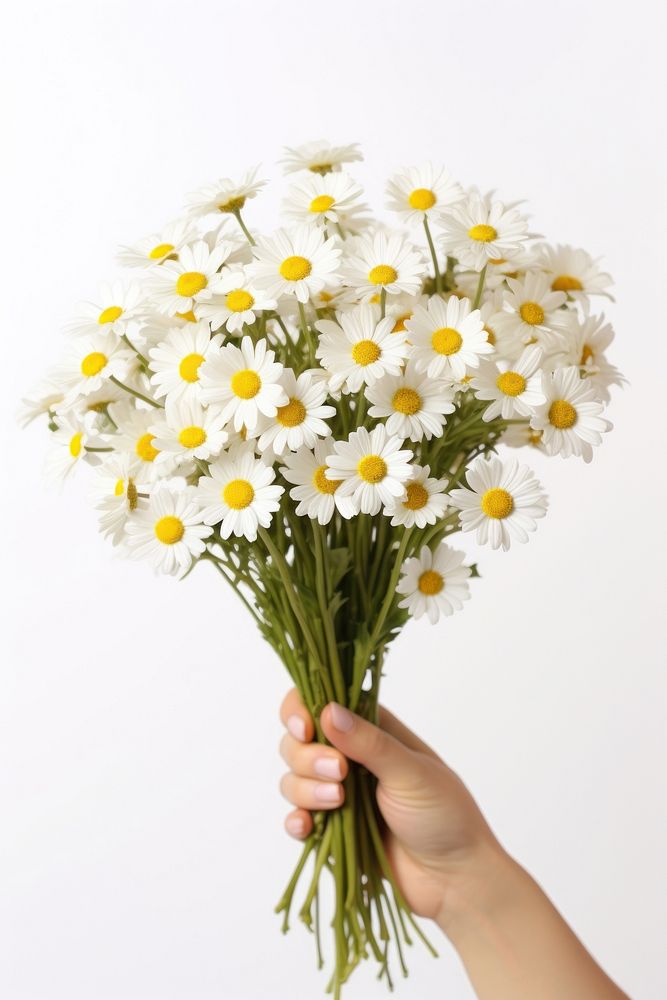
(406,401)
(320,168)
(75,444)
(144,448)
(422,198)
(322,484)
(246,383)
(399,325)
(586,354)
(490,335)
(169,529)
(161,250)
(566,283)
(190,283)
(119,488)
(189,367)
(321,203)
(132,495)
(497,261)
(233,205)
(192,437)
(446,340)
(532,313)
(109,315)
(93,364)
(372,469)
(365,352)
(188,316)
(295,268)
(382,274)
(291,414)
(238,494)
(497,503)
(482,233)
(511,383)
(239,300)
(417,496)
(562,414)
(326,297)
(431,583)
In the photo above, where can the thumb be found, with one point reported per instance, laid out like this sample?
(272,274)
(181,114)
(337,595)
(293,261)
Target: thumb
(384,756)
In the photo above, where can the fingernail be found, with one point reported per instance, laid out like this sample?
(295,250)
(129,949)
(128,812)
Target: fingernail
(328,767)
(297,727)
(327,792)
(342,719)
(295,825)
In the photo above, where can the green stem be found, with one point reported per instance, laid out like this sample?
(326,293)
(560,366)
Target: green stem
(383,302)
(434,257)
(246,231)
(480,287)
(135,392)
(132,347)
(307,334)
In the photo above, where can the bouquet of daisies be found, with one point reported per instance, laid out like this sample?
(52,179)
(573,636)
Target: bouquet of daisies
(313,413)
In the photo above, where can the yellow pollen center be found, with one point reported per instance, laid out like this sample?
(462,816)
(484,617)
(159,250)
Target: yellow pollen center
(497,503)
(188,316)
(189,367)
(372,469)
(320,168)
(586,354)
(233,205)
(192,437)
(490,335)
(562,414)
(406,401)
(93,364)
(239,300)
(497,261)
(144,448)
(382,274)
(326,297)
(132,495)
(246,383)
(365,352)
(482,233)
(511,383)
(431,583)
(169,529)
(417,496)
(566,283)
(109,315)
(238,494)
(119,489)
(291,414)
(295,268)
(322,203)
(161,250)
(446,340)
(532,313)
(75,444)
(190,283)
(399,325)
(322,484)
(422,198)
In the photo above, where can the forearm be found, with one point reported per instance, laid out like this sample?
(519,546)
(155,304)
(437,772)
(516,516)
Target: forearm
(512,940)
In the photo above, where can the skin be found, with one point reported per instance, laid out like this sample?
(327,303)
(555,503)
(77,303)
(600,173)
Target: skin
(449,865)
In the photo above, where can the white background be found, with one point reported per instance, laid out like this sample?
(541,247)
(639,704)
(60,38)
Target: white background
(141,841)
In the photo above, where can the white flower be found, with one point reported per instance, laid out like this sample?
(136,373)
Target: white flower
(158,247)
(372,467)
(532,313)
(177,360)
(297,262)
(380,261)
(324,198)
(117,494)
(423,502)
(189,430)
(514,389)
(178,285)
(573,271)
(418,193)
(244,382)
(89,362)
(360,348)
(225,195)
(238,492)
(169,533)
(434,583)
(476,231)
(586,341)
(570,419)
(320,157)
(503,502)
(301,420)
(236,301)
(414,403)
(116,309)
(135,436)
(448,339)
(68,445)
(318,496)
(45,398)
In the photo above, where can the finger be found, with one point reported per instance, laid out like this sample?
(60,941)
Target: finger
(296,717)
(385,756)
(299,824)
(308,794)
(395,727)
(312,760)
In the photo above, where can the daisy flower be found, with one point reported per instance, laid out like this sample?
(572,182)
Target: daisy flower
(169,533)
(224,195)
(515,389)
(532,312)
(372,467)
(45,398)
(419,193)
(301,420)
(359,348)
(414,403)
(135,436)
(189,430)
(573,271)
(383,262)
(447,337)
(158,247)
(570,418)
(90,361)
(424,501)
(177,360)
(69,443)
(434,583)
(318,496)
(297,262)
(116,308)
(117,495)
(587,341)
(503,502)
(239,494)
(244,381)
(320,157)
(476,231)
(324,198)
(236,302)
(178,285)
